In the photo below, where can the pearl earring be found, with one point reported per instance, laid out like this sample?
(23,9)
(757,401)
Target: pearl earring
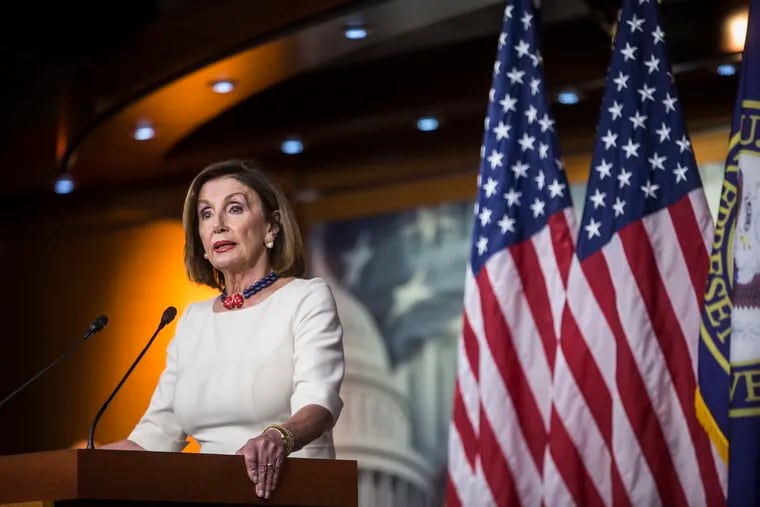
(269,244)
(205,255)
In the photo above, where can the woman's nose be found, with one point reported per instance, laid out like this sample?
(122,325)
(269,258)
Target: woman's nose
(219,224)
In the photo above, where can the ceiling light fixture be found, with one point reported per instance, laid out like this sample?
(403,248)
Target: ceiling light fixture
(144,132)
(292,146)
(726,69)
(223,86)
(355,32)
(568,97)
(427,124)
(64,184)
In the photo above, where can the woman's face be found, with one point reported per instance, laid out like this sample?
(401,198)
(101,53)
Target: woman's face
(232,226)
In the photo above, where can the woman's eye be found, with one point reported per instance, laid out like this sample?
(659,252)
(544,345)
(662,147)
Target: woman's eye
(204,214)
(235,208)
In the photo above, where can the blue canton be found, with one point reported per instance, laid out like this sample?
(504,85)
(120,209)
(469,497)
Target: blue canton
(643,160)
(522,180)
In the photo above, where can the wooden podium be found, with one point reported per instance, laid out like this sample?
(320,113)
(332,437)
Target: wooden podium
(80,477)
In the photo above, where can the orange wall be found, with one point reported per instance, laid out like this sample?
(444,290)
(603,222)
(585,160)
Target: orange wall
(131,274)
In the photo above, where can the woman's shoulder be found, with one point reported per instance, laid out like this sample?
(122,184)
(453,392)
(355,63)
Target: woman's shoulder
(305,286)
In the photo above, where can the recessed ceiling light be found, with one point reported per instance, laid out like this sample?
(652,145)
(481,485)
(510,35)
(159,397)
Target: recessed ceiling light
(64,184)
(223,86)
(292,146)
(726,69)
(355,32)
(427,124)
(568,97)
(144,132)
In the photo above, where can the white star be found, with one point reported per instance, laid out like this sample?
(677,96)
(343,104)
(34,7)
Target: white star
(618,206)
(652,64)
(593,228)
(635,24)
(486,122)
(663,132)
(515,76)
(684,143)
(621,81)
(624,178)
(495,159)
(650,190)
(522,48)
(490,187)
(680,173)
(513,197)
(657,161)
(482,150)
(556,189)
(502,39)
(482,245)
(609,140)
(508,12)
(526,142)
(485,217)
(537,207)
(598,198)
(536,58)
(546,123)
(629,52)
(658,35)
(531,114)
(408,295)
(646,93)
(506,224)
(616,110)
(631,149)
(496,67)
(491,95)
(520,169)
(560,165)
(669,102)
(638,121)
(508,103)
(526,20)
(534,84)
(502,131)
(603,169)
(543,150)
(540,180)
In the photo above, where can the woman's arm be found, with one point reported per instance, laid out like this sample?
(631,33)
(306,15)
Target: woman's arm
(122,445)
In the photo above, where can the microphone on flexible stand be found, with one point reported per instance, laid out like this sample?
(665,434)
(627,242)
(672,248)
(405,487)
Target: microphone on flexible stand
(97,325)
(166,318)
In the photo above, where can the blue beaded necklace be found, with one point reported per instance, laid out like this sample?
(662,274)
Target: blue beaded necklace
(236,300)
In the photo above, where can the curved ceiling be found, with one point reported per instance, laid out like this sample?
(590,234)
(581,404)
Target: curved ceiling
(77,97)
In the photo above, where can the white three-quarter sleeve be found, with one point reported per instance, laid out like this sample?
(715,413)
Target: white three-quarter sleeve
(318,351)
(158,429)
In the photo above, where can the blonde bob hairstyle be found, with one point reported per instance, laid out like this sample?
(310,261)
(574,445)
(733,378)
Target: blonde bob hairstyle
(286,256)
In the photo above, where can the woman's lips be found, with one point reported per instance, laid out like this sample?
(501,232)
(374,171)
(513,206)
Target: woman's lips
(223,246)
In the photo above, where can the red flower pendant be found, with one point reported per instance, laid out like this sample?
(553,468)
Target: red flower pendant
(233,301)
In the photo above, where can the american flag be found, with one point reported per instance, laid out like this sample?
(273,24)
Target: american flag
(625,372)
(514,290)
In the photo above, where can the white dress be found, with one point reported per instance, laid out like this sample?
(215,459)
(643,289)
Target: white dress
(230,374)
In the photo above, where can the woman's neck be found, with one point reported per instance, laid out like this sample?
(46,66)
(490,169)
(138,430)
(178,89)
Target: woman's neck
(238,282)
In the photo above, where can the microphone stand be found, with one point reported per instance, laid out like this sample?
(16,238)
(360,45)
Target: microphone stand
(96,326)
(167,317)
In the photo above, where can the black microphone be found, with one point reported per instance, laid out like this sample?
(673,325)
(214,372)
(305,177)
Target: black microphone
(166,318)
(97,325)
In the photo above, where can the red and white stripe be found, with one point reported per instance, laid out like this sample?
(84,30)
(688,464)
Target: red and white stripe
(626,368)
(502,403)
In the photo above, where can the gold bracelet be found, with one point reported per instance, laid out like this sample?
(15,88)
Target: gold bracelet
(286,435)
